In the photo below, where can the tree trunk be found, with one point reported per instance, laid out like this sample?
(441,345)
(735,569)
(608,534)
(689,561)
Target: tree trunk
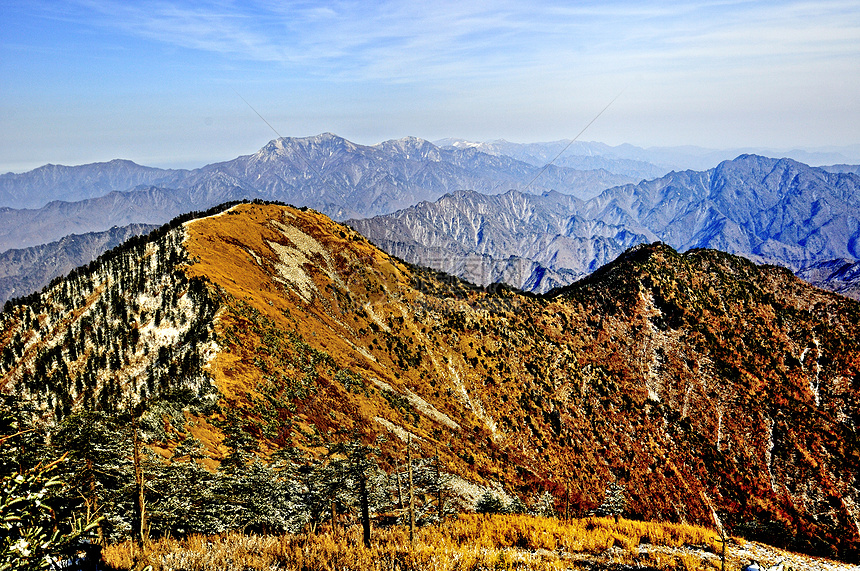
(95,501)
(399,490)
(365,509)
(411,492)
(567,502)
(333,518)
(440,505)
(139,483)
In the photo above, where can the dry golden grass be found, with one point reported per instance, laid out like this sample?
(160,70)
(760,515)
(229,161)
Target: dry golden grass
(468,542)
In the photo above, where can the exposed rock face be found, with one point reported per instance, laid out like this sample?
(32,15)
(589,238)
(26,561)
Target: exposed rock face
(841,276)
(772,210)
(697,380)
(534,243)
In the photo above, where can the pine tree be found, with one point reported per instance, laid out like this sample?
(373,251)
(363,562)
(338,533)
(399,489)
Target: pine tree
(354,464)
(98,469)
(544,505)
(614,501)
(489,503)
(30,503)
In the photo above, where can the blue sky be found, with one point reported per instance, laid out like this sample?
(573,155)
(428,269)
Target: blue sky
(157,82)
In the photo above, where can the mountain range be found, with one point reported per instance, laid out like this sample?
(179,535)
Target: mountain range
(26,270)
(775,211)
(324,172)
(554,225)
(648,163)
(701,382)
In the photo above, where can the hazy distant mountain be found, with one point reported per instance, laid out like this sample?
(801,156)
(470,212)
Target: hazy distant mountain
(640,163)
(30,269)
(841,276)
(842,168)
(325,172)
(777,211)
(769,210)
(152,205)
(580,155)
(344,179)
(48,183)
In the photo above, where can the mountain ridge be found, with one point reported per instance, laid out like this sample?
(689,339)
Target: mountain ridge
(700,380)
(24,271)
(337,177)
(38,187)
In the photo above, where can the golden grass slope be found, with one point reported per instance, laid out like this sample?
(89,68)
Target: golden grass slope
(466,543)
(693,379)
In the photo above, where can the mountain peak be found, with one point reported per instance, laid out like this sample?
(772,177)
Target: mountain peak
(411,147)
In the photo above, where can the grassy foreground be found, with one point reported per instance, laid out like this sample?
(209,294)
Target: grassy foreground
(468,542)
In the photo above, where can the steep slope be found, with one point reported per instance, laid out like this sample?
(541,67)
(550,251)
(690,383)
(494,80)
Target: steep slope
(696,380)
(25,271)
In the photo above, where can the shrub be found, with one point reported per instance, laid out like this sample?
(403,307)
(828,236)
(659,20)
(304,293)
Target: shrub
(489,503)
(29,530)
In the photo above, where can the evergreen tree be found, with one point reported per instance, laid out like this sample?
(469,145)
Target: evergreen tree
(354,464)
(614,501)
(99,469)
(31,529)
(544,505)
(489,503)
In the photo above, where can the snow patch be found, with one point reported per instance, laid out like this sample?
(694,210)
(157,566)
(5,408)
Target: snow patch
(768,454)
(255,256)
(853,510)
(423,406)
(294,258)
(369,309)
(397,431)
(470,493)
(719,428)
(474,405)
(430,411)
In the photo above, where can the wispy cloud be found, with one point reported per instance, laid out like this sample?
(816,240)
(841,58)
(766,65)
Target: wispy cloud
(783,71)
(415,41)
